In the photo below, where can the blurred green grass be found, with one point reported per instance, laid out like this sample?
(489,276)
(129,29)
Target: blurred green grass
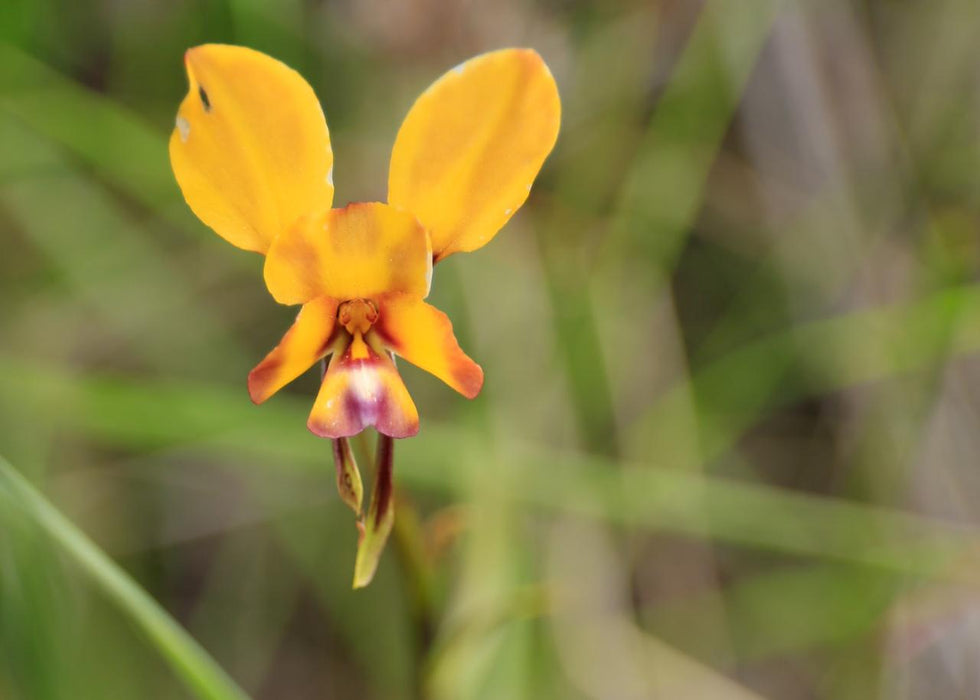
(727,444)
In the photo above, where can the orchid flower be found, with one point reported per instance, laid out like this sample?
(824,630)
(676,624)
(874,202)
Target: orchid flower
(251,153)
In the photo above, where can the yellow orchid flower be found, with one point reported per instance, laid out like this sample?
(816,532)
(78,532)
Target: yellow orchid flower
(251,153)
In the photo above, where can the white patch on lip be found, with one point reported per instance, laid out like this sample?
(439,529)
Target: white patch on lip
(364,383)
(184,127)
(366,391)
(330,177)
(459,68)
(508,212)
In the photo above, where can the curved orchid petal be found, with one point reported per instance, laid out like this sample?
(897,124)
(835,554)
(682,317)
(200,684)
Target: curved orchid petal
(471,146)
(306,342)
(423,335)
(251,150)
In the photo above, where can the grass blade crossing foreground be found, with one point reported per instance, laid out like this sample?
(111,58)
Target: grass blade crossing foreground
(190,662)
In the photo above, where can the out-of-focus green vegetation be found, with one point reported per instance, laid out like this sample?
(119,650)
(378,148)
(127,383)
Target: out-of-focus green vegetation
(729,443)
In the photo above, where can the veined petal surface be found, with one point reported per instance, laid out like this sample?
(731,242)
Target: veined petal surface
(423,335)
(472,144)
(251,150)
(358,252)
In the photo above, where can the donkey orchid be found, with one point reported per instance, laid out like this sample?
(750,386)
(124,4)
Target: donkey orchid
(251,153)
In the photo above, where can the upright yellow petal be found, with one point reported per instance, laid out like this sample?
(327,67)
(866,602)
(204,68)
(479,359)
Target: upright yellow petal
(471,146)
(360,251)
(251,150)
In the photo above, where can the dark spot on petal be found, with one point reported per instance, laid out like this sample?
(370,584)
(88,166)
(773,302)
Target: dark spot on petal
(204,99)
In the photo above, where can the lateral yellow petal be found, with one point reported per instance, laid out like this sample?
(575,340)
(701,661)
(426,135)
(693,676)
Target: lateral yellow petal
(423,335)
(306,341)
(251,150)
(471,146)
(358,252)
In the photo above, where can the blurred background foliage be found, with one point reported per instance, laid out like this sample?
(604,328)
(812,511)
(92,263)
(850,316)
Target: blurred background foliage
(728,445)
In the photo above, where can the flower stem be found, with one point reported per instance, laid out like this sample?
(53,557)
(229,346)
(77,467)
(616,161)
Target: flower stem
(376,526)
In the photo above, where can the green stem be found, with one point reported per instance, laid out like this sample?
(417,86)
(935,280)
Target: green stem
(189,660)
(376,526)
